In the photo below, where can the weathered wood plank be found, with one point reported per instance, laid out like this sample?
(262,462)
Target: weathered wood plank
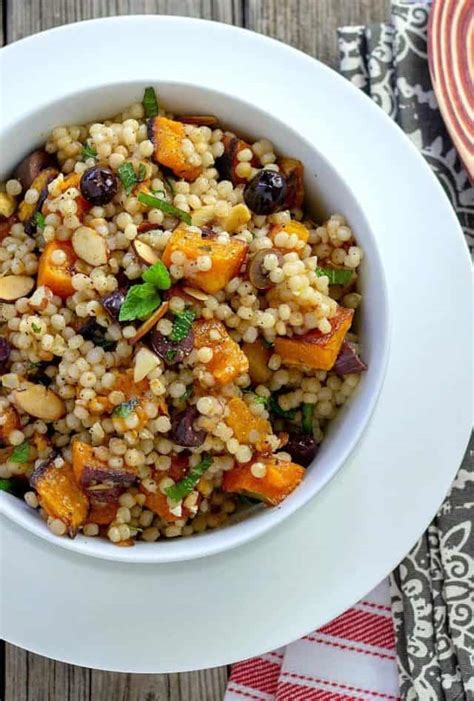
(29,16)
(310,25)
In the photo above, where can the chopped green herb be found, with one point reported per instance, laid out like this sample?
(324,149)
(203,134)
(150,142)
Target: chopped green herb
(275,408)
(124,410)
(6,485)
(171,184)
(88,152)
(187,393)
(165,207)
(32,367)
(150,103)
(182,324)
(36,327)
(170,354)
(158,275)
(307,423)
(337,276)
(261,400)
(20,453)
(140,302)
(249,500)
(40,220)
(181,489)
(141,172)
(128,176)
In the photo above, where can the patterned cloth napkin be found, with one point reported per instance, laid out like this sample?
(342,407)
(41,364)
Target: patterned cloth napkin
(357,656)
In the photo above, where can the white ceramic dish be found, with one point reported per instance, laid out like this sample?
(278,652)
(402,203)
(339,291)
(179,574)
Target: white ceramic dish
(305,571)
(328,193)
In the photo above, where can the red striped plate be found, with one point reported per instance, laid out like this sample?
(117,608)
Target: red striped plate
(451,59)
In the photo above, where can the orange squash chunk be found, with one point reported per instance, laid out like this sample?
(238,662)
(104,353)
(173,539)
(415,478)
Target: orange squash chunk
(293,227)
(167,137)
(247,427)
(314,349)
(228,360)
(11,422)
(60,495)
(58,278)
(227,258)
(293,170)
(258,356)
(102,513)
(280,480)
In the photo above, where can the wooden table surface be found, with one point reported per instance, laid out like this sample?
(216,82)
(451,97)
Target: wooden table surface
(309,25)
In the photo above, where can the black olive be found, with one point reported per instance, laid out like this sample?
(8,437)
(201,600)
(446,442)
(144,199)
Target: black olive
(302,447)
(172,352)
(5,350)
(113,302)
(266,192)
(183,431)
(98,185)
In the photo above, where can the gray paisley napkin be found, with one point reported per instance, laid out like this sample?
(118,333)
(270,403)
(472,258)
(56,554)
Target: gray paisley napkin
(433,587)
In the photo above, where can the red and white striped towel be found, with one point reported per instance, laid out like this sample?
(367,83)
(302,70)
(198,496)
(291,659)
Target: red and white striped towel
(352,658)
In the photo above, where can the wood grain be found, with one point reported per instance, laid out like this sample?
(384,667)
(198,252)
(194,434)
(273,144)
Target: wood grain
(306,24)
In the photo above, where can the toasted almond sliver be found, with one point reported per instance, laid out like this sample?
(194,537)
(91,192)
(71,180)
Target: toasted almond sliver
(197,294)
(145,252)
(39,401)
(13,287)
(145,362)
(150,323)
(202,120)
(90,246)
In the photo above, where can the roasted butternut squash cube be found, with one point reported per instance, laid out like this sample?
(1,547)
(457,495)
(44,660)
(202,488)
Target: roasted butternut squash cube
(103,513)
(248,428)
(314,349)
(10,422)
(226,258)
(158,503)
(167,137)
(100,482)
(293,170)
(294,229)
(60,495)
(57,276)
(258,356)
(228,360)
(280,479)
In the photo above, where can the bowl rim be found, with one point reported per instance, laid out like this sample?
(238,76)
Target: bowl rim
(246,530)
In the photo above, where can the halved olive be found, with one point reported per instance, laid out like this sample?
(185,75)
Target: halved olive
(258,274)
(98,185)
(266,192)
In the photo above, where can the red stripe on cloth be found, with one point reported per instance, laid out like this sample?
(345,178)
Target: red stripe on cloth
(240,692)
(360,650)
(362,627)
(338,685)
(294,692)
(258,674)
(375,606)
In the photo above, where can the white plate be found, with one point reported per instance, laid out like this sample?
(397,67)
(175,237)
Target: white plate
(173,617)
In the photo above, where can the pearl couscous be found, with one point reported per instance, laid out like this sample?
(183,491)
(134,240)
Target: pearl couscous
(174,326)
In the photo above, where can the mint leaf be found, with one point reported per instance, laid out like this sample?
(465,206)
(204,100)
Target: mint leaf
(337,276)
(150,103)
(20,453)
(141,172)
(307,423)
(6,485)
(140,302)
(182,324)
(165,207)
(128,176)
(182,488)
(88,152)
(40,220)
(36,327)
(158,276)
(275,408)
(124,410)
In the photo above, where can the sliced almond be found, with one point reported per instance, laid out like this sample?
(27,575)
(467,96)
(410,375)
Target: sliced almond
(145,362)
(7,205)
(145,252)
(40,298)
(202,120)
(150,323)
(237,217)
(197,294)
(204,215)
(39,401)
(13,287)
(90,246)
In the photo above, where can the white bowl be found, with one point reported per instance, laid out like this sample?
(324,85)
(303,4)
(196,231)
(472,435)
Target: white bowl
(26,126)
